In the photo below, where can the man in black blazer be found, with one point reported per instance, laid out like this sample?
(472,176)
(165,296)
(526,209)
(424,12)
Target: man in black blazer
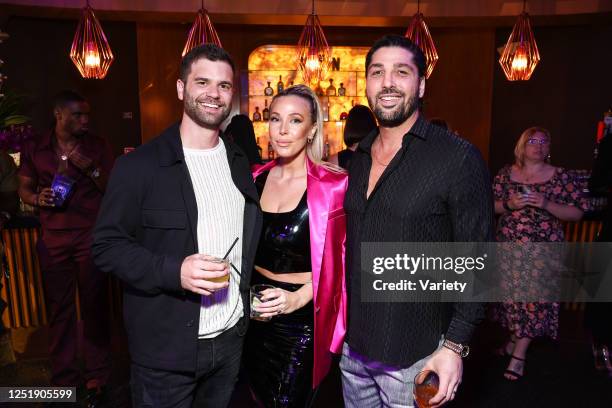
(169,206)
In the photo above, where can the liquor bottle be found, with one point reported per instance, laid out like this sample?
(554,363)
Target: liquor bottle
(259,149)
(343,116)
(268,91)
(326,150)
(342,89)
(280,86)
(319,90)
(266,112)
(270,151)
(326,112)
(331,89)
(256,115)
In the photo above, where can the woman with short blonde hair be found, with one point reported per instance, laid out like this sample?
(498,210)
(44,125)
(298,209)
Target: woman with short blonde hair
(532,197)
(519,148)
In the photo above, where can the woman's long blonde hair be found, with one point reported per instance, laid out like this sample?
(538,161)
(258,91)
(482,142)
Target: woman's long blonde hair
(314,149)
(519,148)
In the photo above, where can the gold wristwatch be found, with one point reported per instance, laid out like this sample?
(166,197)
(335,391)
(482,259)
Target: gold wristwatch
(462,350)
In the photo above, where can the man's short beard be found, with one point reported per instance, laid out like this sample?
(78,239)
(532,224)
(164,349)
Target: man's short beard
(398,116)
(80,133)
(202,119)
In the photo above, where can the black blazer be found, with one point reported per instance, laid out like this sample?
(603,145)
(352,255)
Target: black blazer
(146,226)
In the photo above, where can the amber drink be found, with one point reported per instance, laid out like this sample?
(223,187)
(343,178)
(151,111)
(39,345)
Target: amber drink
(426,385)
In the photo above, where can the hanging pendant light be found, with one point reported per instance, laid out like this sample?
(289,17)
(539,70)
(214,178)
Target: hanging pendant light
(520,55)
(90,51)
(419,34)
(313,52)
(202,32)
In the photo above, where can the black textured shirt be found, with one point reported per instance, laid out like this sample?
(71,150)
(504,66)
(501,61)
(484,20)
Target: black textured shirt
(436,189)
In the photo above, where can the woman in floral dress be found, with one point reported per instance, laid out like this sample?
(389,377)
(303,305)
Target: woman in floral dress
(532,198)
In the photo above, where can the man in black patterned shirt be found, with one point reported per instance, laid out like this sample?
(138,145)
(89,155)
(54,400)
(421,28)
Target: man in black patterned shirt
(409,181)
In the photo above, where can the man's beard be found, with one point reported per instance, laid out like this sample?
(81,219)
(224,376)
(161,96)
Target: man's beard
(204,119)
(399,114)
(77,132)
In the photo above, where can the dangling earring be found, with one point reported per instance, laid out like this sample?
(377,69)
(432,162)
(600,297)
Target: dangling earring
(548,158)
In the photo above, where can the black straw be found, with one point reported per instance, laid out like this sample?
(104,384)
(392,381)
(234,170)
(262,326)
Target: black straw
(230,249)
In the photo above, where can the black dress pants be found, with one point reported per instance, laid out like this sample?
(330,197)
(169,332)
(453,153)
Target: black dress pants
(211,386)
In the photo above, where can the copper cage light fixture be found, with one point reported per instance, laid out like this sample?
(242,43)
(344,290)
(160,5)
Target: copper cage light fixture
(419,34)
(202,32)
(90,51)
(520,55)
(313,52)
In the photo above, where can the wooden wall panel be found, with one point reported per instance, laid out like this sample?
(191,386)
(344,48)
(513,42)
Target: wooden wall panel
(460,89)
(159,56)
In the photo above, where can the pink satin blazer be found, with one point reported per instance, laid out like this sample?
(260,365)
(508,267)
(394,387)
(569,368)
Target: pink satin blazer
(325,197)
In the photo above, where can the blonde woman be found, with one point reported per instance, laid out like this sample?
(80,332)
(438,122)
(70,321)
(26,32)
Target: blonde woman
(532,197)
(301,254)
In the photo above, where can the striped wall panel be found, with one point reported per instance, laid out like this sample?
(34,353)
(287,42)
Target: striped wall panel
(22,289)
(582,231)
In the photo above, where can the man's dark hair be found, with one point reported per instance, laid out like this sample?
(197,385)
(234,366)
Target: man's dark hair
(241,131)
(359,123)
(402,42)
(210,52)
(65,97)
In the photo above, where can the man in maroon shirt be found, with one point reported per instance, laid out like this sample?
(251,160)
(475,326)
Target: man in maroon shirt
(68,211)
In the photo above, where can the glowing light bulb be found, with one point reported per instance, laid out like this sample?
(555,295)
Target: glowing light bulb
(92,57)
(519,62)
(312,63)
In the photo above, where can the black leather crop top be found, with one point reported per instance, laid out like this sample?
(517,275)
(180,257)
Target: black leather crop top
(284,244)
